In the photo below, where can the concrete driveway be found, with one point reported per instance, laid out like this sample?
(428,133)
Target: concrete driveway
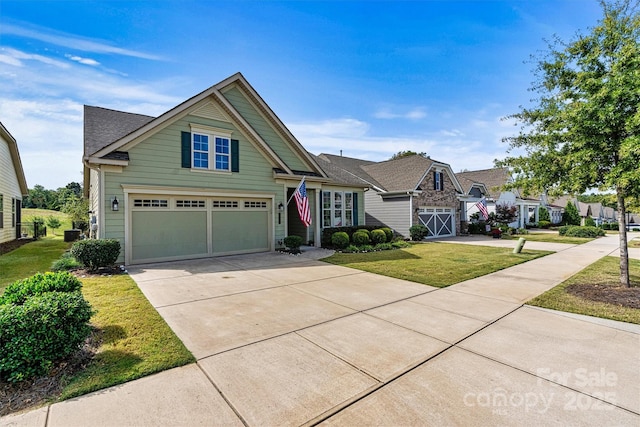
(287,340)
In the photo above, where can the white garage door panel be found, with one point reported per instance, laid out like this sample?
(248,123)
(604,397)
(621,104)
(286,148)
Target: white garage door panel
(167,234)
(439,221)
(240,231)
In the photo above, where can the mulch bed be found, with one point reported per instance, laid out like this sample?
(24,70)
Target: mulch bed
(608,293)
(13,245)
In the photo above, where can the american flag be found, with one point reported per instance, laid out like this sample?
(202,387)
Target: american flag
(302,202)
(482,207)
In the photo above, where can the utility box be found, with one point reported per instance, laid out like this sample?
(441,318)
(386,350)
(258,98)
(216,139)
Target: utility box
(71,235)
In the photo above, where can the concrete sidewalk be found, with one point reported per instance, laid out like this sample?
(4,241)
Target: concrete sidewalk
(284,340)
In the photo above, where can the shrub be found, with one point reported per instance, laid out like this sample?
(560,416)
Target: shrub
(383,247)
(523,231)
(66,262)
(293,242)
(400,244)
(340,240)
(543,214)
(378,236)
(18,292)
(544,224)
(388,232)
(96,253)
(477,227)
(361,237)
(365,248)
(589,222)
(351,249)
(578,231)
(418,232)
(46,328)
(328,232)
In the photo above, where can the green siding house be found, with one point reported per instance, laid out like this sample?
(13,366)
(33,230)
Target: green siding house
(210,177)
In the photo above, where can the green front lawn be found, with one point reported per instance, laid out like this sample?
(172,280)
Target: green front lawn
(136,341)
(435,264)
(34,257)
(604,272)
(65,220)
(550,237)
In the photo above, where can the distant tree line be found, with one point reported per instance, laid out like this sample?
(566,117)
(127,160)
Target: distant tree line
(55,200)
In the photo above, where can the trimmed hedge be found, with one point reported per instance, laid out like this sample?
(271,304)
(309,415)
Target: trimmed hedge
(293,242)
(42,319)
(544,224)
(96,253)
(418,232)
(378,236)
(340,239)
(328,232)
(361,237)
(579,231)
(388,232)
(18,292)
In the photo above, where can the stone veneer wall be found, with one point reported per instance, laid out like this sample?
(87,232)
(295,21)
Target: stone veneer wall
(448,198)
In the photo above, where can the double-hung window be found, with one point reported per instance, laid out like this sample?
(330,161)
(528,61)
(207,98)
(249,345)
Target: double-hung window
(211,156)
(337,209)
(200,151)
(438,181)
(222,153)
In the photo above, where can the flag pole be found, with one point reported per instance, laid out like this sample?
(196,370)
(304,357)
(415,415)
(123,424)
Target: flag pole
(294,191)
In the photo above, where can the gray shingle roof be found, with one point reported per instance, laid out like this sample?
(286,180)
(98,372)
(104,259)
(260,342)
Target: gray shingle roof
(493,179)
(344,170)
(103,126)
(403,174)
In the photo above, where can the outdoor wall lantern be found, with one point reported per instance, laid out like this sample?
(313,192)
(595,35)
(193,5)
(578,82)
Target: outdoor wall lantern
(280,209)
(114,204)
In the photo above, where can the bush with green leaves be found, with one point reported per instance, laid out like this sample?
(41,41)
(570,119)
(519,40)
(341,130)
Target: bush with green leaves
(361,237)
(589,222)
(96,253)
(578,231)
(378,236)
(571,216)
(543,214)
(383,247)
(43,318)
(544,224)
(418,232)
(293,242)
(65,262)
(388,232)
(351,249)
(19,291)
(365,248)
(340,240)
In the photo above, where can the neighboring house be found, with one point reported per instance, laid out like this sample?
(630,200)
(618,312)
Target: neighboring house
(210,177)
(494,180)
(584,209)
(13,186)
(403,192)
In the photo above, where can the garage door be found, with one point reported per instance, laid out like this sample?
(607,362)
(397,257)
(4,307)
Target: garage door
(175,227)
(439,221)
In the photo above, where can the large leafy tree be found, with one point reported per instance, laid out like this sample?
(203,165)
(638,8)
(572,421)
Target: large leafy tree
(583,130)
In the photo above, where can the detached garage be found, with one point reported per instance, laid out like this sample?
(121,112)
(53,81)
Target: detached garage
(164,228)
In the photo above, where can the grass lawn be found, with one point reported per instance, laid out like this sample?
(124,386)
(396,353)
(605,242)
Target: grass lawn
(65,221)
(435,264)
(550,237)
(635,243)
(136,341)
(34,257)
(604,271)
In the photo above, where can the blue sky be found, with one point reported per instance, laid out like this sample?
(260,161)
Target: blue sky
(368,78)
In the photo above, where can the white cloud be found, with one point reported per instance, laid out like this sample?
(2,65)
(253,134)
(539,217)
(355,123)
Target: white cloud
(16,58)
(413,114)
(81,60)
(70,40)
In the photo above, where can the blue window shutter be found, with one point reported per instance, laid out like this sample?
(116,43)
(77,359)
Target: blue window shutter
(186,149)
(235,155)
(435,180)
(355,208)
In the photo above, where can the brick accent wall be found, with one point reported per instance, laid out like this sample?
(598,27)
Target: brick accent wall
(432,198)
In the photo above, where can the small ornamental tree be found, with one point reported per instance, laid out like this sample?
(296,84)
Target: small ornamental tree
(505,214)
(543,214)
(571,216)
(53,223)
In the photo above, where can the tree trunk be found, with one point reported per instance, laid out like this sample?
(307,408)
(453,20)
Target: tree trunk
(624,253)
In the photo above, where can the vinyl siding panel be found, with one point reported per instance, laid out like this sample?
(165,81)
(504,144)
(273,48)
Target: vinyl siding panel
(264,129)
(393,213)
(9,188)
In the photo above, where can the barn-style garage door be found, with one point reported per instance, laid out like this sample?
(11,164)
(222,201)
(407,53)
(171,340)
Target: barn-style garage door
(439,221)
(175,227)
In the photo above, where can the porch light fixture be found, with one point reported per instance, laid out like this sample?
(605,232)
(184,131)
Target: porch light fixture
(280,209)
(114,204)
